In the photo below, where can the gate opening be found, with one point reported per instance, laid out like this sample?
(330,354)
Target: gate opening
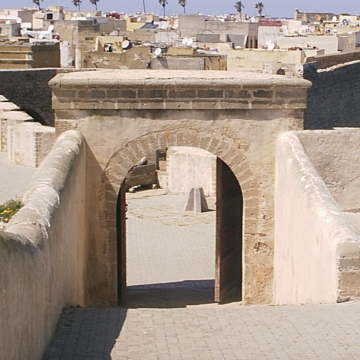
(221,250)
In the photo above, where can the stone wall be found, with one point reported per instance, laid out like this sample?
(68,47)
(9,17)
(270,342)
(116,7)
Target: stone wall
(29,90)
(42,252)
(333,99)
(326,61)
(125,115)
(316,247)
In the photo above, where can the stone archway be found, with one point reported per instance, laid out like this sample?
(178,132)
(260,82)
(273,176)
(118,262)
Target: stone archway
(226,149)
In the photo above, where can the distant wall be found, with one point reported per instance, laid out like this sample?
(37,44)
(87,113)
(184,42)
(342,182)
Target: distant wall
(42,252)
(190,167)
(333,99)
(316,247)
(29,90)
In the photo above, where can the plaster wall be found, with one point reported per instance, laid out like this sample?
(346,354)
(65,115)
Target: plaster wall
(335,155)
(254,59)
(126,115)
(42,252)
(328,43)
(189,167)
(316,246)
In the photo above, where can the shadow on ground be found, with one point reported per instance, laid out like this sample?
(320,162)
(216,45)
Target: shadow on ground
(70,341)
(171,295)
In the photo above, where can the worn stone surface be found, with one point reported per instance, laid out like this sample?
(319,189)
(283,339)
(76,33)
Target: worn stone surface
(278,332)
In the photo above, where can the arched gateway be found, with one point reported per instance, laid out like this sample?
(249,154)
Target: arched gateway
(230,199)
(125,115)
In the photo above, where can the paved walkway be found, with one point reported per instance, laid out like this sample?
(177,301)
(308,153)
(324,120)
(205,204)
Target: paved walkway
(14,179)
(171,313)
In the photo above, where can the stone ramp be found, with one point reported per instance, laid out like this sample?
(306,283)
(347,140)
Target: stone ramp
(214,332)
(171,313)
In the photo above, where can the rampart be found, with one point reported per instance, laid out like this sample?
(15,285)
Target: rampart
(42,252)
(329,60)
(317,248)
(333,99)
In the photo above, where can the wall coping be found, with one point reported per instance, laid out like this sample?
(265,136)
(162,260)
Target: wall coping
(173,79)
(177,90)
(335,223)
(30,225)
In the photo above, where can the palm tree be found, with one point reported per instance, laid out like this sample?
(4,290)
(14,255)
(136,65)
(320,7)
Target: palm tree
(239,6)
(77,3)
(94,2)
(37,3)
(183,4)
(260,7)
(163,4)
(144,6)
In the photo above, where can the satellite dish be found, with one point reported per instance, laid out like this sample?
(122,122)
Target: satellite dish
(157,52)
(184,41)
(125,44)
(138,19)
(51,28)
(267,43)
(271,46)
(189,42)
(88,15)
(7,22)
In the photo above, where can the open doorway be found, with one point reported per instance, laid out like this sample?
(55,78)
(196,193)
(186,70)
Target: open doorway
(206,252)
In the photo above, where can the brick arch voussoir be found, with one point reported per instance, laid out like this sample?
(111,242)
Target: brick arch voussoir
(222,146)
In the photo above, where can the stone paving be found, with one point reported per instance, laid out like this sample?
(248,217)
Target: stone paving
(14,179)
(171,313)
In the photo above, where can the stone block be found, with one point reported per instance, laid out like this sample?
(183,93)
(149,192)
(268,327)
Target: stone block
(189,167)
(9,118)
(196,201)
(29,143)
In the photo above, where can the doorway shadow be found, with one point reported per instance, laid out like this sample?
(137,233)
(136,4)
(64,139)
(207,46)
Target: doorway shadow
(178,294)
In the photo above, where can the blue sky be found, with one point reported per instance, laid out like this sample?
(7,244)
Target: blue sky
(273,8)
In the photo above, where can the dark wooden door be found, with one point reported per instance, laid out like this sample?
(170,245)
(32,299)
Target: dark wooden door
(121,245)
(229,210)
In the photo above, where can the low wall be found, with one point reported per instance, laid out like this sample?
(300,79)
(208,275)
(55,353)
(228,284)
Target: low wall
(42,252)
(190,167)
(316,247)
(325,61)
